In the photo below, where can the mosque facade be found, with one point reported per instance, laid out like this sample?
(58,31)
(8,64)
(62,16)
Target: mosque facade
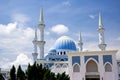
(65,56)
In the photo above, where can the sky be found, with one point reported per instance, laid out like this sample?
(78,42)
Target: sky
(18,19)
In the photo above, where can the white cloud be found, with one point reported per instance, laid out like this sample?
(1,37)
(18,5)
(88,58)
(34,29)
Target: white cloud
(14,38)
(118,39)
(7,29)
(49,44)
(47,33)
(21,18)
(67,3)
(60,29)
(91,46)
(88,35)
(22,59)
(5,63)
(92,16)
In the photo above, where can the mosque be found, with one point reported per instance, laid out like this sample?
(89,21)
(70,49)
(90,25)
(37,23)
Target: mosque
(65,56)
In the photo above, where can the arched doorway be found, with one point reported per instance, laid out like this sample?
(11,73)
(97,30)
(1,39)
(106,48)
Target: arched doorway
(92,70)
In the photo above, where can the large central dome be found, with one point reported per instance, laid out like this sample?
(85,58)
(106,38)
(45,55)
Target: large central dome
(65,43)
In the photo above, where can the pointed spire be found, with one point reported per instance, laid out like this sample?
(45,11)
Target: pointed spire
(80,43)
(35,54)
(80,37)
(101,30)
(100,20)
(41,16)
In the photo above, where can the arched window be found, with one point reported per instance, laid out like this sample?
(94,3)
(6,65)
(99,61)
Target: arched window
(60,53)
(91,66)
(58,66)
(108,68)
(53,59)
(64,52)
(119,65)
(76,68)
(64,66)
(62,60)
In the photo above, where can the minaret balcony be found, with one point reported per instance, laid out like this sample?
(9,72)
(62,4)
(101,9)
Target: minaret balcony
(41,42)
(102,46)
(34,41)
(41,26)
(101,30)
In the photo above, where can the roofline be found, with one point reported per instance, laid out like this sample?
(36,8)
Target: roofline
(94,52)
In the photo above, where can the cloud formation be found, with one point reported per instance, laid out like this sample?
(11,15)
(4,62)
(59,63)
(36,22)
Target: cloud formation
(22,59)
(14,41)
(13,36)
(67,3)
(60,29)
(92,16)
(20,18)
(118,38)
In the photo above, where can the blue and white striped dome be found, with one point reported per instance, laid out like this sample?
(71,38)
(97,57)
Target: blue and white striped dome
(52,51)
(65,43)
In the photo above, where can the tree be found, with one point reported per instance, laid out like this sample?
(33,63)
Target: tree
(12,73)
(62,76)
(28,72)
(20,74)
(37,72)
(1,77)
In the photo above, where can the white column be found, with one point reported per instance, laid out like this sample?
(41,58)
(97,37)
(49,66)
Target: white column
(115,68)
(41,43)
(101,66)
(101,30)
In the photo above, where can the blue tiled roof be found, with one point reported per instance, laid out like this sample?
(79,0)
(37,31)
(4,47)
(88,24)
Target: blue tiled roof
(65,43)
(52,51)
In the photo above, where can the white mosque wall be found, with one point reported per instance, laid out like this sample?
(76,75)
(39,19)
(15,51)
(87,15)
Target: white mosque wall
(79,70)
(109,76)
(113,75)
(118,68)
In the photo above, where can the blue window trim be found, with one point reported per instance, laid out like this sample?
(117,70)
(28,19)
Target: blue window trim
(94,57)
(107,58)
(75,59)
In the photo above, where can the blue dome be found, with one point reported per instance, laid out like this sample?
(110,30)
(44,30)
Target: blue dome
(52,51)
(65,43)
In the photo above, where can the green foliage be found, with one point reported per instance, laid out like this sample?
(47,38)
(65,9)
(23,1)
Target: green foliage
(12,73)
(1,77)
(38,72)
(20,74)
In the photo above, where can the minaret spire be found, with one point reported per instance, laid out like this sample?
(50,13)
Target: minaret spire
(101,30)
(80,43)
(100,21)
(41,27)
(35,54)
(41,16)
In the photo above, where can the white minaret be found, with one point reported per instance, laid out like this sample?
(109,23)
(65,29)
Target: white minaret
(101,30)
(35,54)
(41,27)
(80,43)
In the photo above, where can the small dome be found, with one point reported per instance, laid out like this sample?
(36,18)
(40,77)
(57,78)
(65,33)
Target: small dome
(65,43)
(52,51)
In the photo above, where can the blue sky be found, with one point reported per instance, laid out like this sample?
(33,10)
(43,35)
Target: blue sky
(18,18)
